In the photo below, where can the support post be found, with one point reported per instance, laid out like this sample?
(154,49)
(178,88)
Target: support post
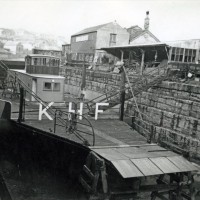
(151,137)
(170,54)
(142,62)
(197,55)
(21,105)
(83,81)
(122,95)
(133,122)
(122,56)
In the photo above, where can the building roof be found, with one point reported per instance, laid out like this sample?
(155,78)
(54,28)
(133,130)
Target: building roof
(142,32)
(39,75)
(138,31)
(66,44)
(137,45)
(91,29)
(151,48)
(14,63)
(41,55)
(41,49)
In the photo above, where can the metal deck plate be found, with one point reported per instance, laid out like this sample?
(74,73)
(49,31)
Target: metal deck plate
(138,161)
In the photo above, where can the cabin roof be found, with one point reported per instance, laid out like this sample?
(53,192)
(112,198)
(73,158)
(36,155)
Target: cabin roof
(41,56)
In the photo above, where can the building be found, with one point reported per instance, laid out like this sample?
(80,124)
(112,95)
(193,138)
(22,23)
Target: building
(51,52)
(41,75)
(187,51)
(66,50)
(86,44)
(142,36)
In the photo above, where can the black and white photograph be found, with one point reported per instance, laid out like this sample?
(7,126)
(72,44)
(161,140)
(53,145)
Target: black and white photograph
(99,99)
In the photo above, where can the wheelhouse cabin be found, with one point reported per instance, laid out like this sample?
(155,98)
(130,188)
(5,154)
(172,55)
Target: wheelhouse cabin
(42,64)
(41,75)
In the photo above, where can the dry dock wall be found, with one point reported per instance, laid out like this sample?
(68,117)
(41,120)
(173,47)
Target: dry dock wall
(174,110)
(97,83)
(172,107)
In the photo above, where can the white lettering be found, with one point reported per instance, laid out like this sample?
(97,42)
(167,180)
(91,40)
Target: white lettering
(44,111)
(80,111)
(97,109)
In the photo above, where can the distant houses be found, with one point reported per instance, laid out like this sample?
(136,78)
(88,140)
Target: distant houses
(86,44)
(142,36)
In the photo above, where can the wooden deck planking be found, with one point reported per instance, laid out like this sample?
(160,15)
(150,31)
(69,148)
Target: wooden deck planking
(107,132)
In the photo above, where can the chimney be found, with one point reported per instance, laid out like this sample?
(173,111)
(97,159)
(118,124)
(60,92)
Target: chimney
(146,21)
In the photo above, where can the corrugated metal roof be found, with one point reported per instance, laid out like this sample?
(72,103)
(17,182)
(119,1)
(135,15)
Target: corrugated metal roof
(41,55)
(91,29)
(136,45)
(144,160)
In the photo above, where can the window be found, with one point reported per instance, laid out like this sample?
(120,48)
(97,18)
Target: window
(183,55)
(44,61)
(73,56)
(35,61)
(81,38)
(51,86)
(47,86)
(112,39)
(80,56)
(56,87)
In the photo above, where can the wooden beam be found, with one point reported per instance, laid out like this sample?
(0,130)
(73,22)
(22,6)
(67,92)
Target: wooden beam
(122,94)
(88,172)
(84,184)
(21,105)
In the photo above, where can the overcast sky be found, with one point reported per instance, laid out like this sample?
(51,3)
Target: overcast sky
(169,19)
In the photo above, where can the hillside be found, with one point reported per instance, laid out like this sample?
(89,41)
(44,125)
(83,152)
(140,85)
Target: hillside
(11,37)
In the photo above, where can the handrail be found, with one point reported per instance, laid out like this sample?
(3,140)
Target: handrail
(71,122)
(37,98)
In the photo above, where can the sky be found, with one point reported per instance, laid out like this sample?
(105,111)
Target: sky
(169,19)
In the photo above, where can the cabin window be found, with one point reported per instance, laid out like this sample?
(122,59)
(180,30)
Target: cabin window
(28,61)
(35,61)
(47,86)
(44,61)
(56,87)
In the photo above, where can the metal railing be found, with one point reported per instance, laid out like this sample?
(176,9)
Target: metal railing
(52,111)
